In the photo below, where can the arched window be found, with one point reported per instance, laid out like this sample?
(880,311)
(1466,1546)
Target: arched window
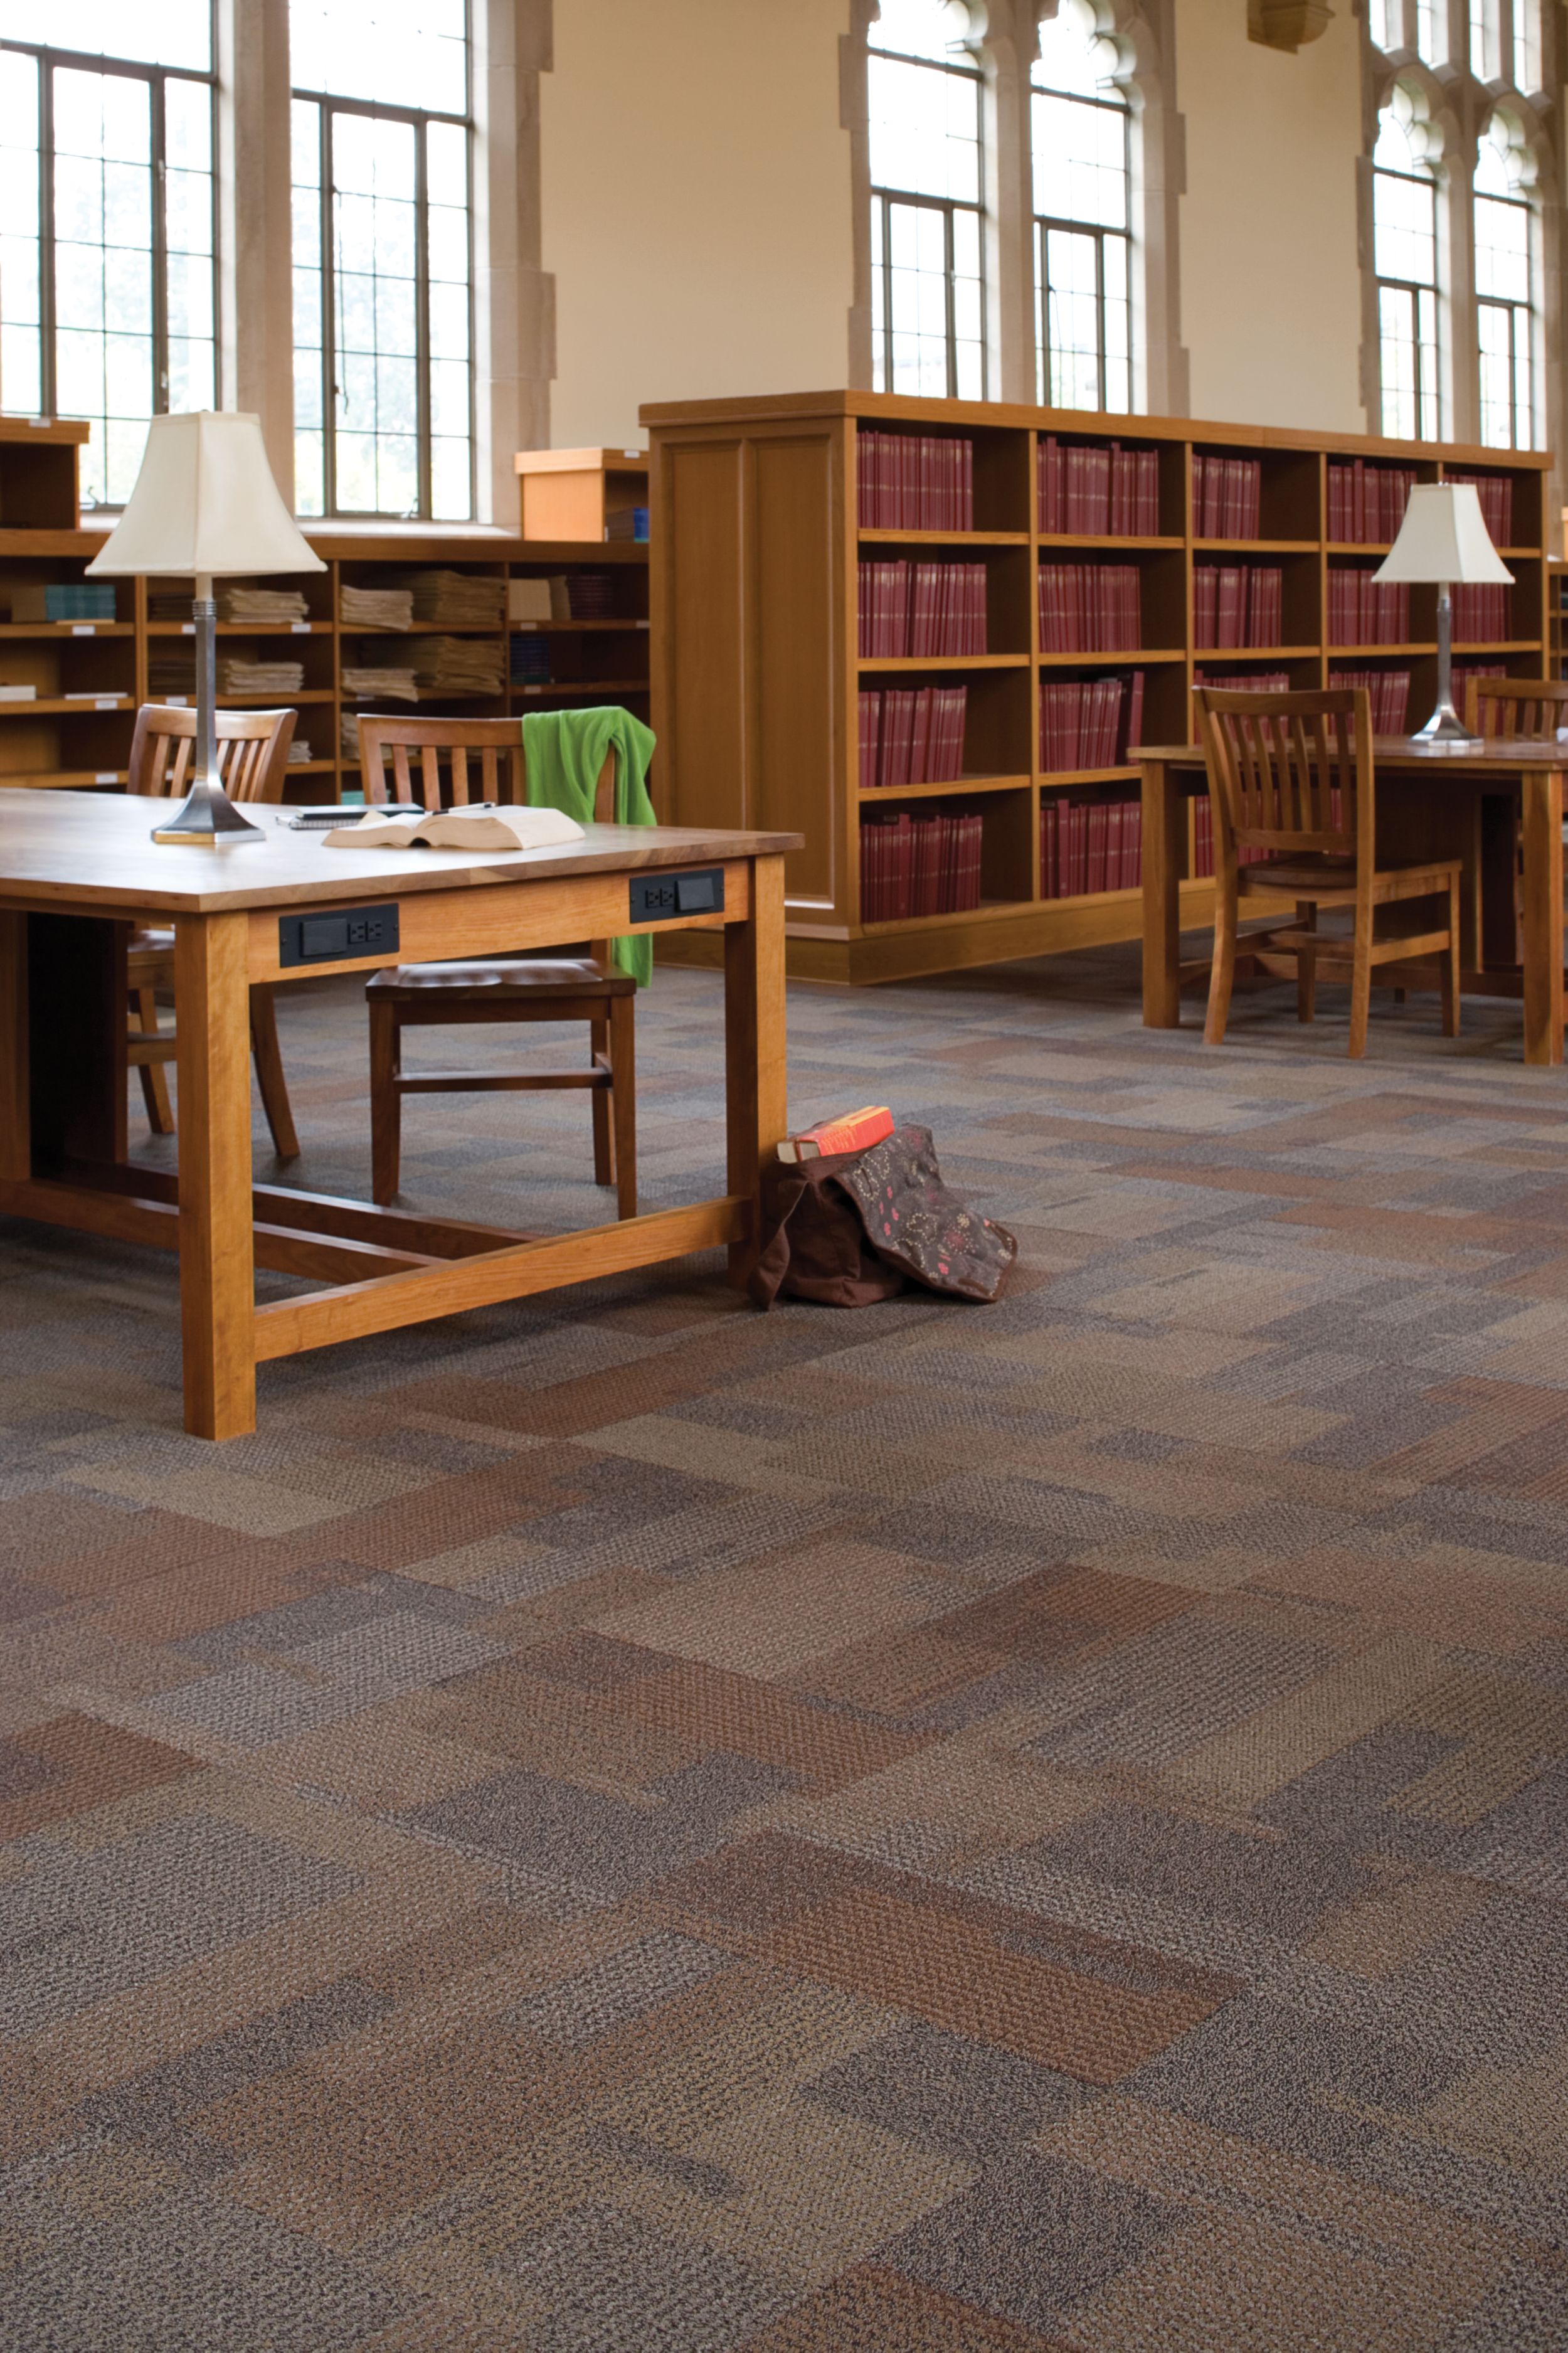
(1505,327)
(1082,217)
(1404,243)
(383,258)
(928,300)
(107,280)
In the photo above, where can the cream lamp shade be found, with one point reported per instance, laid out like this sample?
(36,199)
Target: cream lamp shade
(206,503)
(1443,537)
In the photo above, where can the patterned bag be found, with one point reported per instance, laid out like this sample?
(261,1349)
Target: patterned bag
(851,1230)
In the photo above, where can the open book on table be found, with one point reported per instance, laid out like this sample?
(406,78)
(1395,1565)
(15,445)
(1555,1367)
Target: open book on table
(481,826)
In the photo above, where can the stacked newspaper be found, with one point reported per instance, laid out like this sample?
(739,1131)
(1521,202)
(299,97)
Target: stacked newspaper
(300,752)
(272,605)
(238,675)
(376,608)
(398,685)
(428,667)
(459,600)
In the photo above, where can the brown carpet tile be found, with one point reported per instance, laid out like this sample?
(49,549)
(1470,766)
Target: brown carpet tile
(620,1825)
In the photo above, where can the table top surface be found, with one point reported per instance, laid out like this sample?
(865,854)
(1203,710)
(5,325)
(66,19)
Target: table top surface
(94,851)
(1500,757)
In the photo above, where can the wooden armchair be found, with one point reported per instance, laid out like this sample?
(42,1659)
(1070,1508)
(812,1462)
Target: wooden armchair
(252,755)
(1517,710)
(567,988)
(1291,774)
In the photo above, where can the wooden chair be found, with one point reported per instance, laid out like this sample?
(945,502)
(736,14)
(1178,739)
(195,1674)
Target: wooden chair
(1291,774)
(1517,710)
(252,755)
(569,987)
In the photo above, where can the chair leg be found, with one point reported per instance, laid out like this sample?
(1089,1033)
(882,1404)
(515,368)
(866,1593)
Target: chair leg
(1451,964)
(269,1075)
(622,1094)
(385,1102)
(1222,972)
(154,1075)
(1306,964)
(1360,983)
(604,1132)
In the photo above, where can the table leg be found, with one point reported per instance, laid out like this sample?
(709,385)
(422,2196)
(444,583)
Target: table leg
(15,1106)
(217,1286)
(756,1107)
(1543,797)
(1161,899)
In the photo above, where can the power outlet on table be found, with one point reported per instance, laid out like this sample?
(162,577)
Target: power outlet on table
(660,897)
(337,934)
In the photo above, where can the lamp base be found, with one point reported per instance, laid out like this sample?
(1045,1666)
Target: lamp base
(208,821)
(1446,732)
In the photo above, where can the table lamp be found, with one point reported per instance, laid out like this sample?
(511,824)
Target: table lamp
(1443,538)
(206,503)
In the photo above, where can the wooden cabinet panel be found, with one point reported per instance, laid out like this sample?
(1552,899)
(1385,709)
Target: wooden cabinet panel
(794,622)
(699,624)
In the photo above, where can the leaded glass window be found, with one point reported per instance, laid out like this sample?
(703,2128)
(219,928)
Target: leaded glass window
(927,313)
(1404,224)
(1082,224)
(1505,325)
(383,258)
(108,290)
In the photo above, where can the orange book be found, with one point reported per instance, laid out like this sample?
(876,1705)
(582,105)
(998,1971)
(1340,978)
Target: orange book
(855,1132)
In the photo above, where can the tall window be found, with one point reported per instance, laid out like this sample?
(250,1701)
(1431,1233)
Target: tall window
(1504,321)
(383,258)
(1082,249)
(1527,45)
(1404,239)
(927,313)
(1409,24)
(107,269)
(1484,42)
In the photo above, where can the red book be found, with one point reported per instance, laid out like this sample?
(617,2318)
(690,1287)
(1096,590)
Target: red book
(855,1131)
(919,738)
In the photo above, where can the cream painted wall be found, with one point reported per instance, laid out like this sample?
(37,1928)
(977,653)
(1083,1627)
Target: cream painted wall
(1271,298)
(696,205)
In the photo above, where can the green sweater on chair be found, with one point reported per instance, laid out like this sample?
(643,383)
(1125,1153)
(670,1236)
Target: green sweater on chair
(564,755)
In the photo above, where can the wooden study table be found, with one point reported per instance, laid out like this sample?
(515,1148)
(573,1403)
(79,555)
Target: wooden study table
(78,870)
(1468,807)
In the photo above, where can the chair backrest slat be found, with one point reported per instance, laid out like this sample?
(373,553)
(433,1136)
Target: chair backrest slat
(1289,773)
(1518,710)
(252,751)
(498,742)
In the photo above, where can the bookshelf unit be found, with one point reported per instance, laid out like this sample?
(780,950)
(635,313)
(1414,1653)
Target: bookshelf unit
(757,678)
(90,675)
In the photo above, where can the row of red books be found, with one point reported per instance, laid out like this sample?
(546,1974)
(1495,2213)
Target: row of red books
(1095,490)
(1390,692)
(913,482)
(1367,501)
(1238,604)
(1255,681)
(1228,498)
(1088,609)
(921,610)
(1481,610)
(1089,845)
(1463,672)
(911,735)
(1367,612)
(1495,492)
(1089,722)
(918,866)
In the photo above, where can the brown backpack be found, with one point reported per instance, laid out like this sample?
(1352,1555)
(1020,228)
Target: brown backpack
(855,1228)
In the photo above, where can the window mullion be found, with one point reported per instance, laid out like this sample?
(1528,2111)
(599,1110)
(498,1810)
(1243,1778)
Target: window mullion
(327,211)
(46,304)
(160,255)
(421,321)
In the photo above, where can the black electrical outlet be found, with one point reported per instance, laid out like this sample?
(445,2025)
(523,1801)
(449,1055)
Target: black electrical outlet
(340,932)
(660,897)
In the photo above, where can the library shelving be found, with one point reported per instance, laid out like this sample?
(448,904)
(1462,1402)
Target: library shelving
(764,510)
(583,641)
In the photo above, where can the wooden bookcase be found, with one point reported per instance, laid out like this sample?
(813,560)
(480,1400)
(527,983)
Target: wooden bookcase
(756,672)
(91,676)
(572,493)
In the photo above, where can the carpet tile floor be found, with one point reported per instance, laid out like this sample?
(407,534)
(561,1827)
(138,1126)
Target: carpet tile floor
(623,1825)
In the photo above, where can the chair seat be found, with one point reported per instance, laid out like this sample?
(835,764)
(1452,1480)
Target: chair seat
(480,983)
(1310,878)
(154,942)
